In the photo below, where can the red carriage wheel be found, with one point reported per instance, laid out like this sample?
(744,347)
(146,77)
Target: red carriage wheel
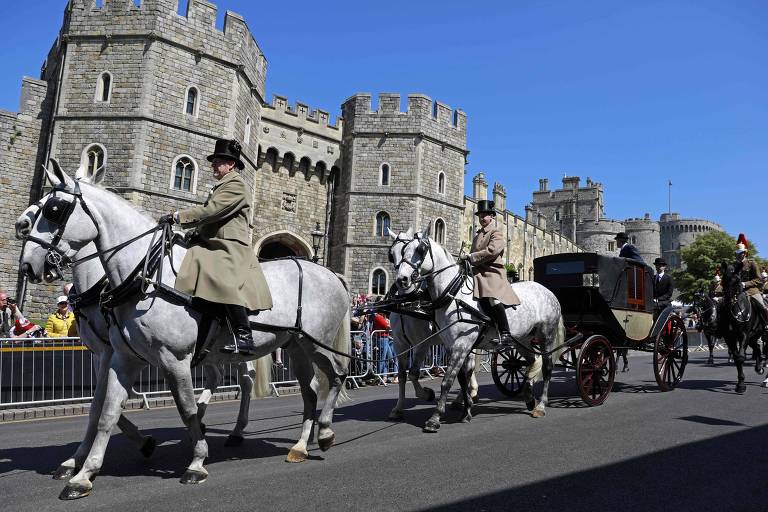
(670,353)
(508,370)
(595,370)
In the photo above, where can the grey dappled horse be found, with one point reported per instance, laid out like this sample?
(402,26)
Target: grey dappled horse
(408,332)
(94,333)
(152,330)
(537,317)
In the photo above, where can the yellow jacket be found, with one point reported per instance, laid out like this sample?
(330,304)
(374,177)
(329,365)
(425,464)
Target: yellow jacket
(59,327)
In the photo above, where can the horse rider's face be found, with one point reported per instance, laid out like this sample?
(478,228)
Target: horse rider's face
(485,219)
(221,167)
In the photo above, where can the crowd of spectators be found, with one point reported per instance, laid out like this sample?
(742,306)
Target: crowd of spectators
(15,326)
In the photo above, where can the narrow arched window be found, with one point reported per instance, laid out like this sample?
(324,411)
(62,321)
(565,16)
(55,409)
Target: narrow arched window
(440,231)
(247,131)
(271,159)
(190,107)
(379,282)
(382,224)
(104,87)
(184,173)
(93,157)
(441,183)
(384,175)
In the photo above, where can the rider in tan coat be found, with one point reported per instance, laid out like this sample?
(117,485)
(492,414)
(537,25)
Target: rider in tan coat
(220,265)
(492,290)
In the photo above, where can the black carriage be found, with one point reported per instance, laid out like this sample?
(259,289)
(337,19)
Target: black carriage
(607,305)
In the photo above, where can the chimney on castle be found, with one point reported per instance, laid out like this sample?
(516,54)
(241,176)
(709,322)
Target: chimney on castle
(541,221)
(530,214)
(543,185)
(571,182)
(500,197)
(479,187)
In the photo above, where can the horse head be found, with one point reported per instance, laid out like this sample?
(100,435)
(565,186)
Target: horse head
(54,229)
(416,260)
(399,241)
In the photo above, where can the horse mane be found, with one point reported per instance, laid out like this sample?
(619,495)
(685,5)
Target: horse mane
(87,184)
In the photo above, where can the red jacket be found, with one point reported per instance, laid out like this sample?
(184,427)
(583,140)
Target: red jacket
(380,322)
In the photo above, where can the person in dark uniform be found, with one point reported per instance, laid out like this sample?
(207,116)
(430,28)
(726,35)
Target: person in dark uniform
(626,249)
(663,286)
(492,290)
(220,265)
(749,273)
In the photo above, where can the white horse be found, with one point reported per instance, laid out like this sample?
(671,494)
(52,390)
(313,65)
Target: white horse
(94,333)
(312,319)
(538,318)
(409,332)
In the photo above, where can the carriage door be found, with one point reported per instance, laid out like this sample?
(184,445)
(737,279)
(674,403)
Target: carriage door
(637,321)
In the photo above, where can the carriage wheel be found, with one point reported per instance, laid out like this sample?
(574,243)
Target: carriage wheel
(508,369)
(670,353)
(595,370)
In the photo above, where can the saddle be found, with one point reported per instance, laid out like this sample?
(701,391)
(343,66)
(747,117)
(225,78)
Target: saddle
(741,308)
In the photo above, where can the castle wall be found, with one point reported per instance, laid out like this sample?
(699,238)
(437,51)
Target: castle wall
(677,233)
(566,207)
(644,235)
(598,236)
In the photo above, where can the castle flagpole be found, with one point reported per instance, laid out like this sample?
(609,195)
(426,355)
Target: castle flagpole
(669,196)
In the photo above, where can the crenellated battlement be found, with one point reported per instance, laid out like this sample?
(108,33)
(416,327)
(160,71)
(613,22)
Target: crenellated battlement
(300,113)
(158,20)
(420,107)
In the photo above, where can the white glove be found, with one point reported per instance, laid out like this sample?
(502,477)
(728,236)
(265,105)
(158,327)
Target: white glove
(464,257)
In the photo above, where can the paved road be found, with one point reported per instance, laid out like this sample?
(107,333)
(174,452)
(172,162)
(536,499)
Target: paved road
(698,448)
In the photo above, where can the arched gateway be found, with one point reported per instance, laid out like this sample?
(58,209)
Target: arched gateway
(280,245)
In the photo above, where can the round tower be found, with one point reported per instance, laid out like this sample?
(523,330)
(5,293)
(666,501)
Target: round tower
(678,233)
(598,236)
(644,234)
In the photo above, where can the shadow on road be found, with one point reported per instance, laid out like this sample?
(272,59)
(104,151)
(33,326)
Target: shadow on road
(702,476)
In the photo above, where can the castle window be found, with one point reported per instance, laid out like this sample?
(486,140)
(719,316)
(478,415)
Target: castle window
(378,282)
(104,88)
(247,131)
(93,157)
(384,175)
(441,183)
(304,166)
(192,101)
(440,231)
(611,246)
(557,216)
(184,174)
(288,161)
(382,224)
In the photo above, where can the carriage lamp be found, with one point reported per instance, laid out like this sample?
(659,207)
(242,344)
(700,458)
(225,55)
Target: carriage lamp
(591,280)
(317,239)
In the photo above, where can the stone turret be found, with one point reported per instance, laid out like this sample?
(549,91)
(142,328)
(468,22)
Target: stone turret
(499,197)
(479,187)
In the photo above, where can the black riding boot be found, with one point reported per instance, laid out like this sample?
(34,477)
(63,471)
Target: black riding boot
(241,328)
(499,315)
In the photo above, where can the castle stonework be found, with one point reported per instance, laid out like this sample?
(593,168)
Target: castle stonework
(678,233)
(145,92)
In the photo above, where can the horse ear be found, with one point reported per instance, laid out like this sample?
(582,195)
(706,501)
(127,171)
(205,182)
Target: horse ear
(427,229)
(57,176)
(391,234)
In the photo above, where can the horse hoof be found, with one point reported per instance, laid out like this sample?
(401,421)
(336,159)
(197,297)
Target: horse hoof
(530,404)
(625,369)
(711,360)
(233,440)
(64,473)
(296,456)
(467,418)
(148,447)
(430,395)
(192,476)
(431,427)
(203,429)
(741,388)
(395,416)
(325,443)
(538,413)
(75,491)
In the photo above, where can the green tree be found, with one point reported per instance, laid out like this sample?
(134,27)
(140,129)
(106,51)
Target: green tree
(701,260)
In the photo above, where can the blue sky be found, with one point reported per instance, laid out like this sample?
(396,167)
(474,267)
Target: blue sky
(631,94)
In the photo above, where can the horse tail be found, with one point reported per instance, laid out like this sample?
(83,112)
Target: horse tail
(343,343)
(262,379)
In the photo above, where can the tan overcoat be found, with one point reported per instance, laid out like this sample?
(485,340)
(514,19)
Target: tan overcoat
(750,276)
(221,266)
(488,267)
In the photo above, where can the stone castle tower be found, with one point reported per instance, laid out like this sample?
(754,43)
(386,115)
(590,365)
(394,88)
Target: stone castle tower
(401,169)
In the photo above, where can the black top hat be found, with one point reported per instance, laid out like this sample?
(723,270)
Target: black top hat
(485,206)
(659,262)
(621,236)
(226,148)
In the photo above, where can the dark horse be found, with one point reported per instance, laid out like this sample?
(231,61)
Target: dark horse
(705,308)
(739,324)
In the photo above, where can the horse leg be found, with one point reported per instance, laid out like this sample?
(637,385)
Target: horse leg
(120,375)
(304,372)
(534,365)
(458,355)
(469,366)
(541,408)
(463,377)
(419,355)
(396,413)
(738,360)
(212,380)
(332,378)
(179,377)
(623,353)
(247,376)
(711,346)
